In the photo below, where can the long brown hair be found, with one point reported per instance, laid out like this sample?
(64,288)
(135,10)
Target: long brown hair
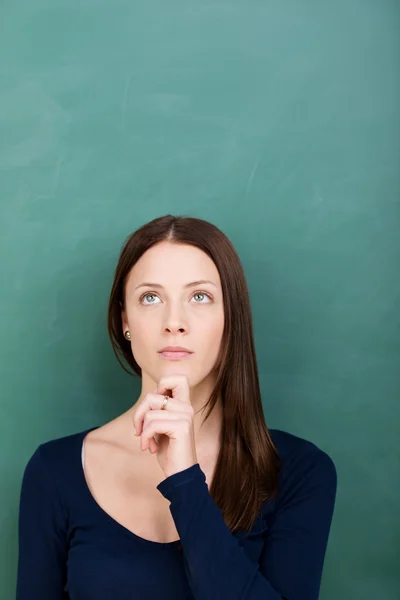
(246,473)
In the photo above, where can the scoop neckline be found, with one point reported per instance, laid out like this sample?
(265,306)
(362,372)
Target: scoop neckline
(108,517)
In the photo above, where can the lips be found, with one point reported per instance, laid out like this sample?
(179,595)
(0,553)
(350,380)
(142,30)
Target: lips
(175,352)
(175,349)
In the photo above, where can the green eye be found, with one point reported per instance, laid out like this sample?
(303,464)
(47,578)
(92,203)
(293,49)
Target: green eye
(146,295)
(155,296)
(201,294)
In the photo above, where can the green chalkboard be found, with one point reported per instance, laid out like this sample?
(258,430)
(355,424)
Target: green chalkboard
(279,122)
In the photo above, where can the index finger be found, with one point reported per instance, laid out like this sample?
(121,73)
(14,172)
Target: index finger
(175,386)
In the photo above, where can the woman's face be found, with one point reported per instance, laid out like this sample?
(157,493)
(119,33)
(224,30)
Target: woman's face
(174,313)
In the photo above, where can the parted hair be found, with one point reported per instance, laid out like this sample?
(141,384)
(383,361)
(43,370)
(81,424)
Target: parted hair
(247,470)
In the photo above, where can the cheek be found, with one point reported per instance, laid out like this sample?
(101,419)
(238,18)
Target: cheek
(210,337)
(143,340)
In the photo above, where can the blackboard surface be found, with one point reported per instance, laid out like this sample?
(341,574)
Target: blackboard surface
(277,121)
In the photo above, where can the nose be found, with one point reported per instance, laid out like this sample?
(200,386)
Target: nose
(175,320)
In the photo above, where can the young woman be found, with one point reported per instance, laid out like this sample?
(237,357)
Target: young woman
(187,494)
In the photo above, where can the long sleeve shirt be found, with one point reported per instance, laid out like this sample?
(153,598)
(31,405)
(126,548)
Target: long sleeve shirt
(71,549)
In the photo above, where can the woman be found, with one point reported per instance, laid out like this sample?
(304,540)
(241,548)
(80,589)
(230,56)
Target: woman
(203,501)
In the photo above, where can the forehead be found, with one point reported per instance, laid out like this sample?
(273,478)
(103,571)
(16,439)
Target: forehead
(169,264)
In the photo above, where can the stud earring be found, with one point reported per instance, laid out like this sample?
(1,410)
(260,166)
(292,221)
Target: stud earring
(127,335)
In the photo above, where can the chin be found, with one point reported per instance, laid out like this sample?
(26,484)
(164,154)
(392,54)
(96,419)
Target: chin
(174,369)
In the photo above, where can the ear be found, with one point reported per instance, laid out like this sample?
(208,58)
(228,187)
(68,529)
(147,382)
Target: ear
(124,321)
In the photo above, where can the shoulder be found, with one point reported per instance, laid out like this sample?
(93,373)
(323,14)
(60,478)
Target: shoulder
(305,467)
(60,449)
(296,451)
(56,459)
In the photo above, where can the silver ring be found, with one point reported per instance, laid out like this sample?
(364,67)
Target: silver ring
(165,402)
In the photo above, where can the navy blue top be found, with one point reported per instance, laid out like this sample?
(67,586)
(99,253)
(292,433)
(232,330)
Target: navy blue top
(71,549)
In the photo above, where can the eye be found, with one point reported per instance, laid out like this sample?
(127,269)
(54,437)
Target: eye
(145,296)
(202,294)
(155,296)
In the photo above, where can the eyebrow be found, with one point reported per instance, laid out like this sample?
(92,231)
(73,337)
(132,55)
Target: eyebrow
(158,285)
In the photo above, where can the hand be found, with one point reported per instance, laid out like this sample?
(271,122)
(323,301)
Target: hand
(168,432)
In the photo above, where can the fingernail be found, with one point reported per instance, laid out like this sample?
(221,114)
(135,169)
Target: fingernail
(134,430)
